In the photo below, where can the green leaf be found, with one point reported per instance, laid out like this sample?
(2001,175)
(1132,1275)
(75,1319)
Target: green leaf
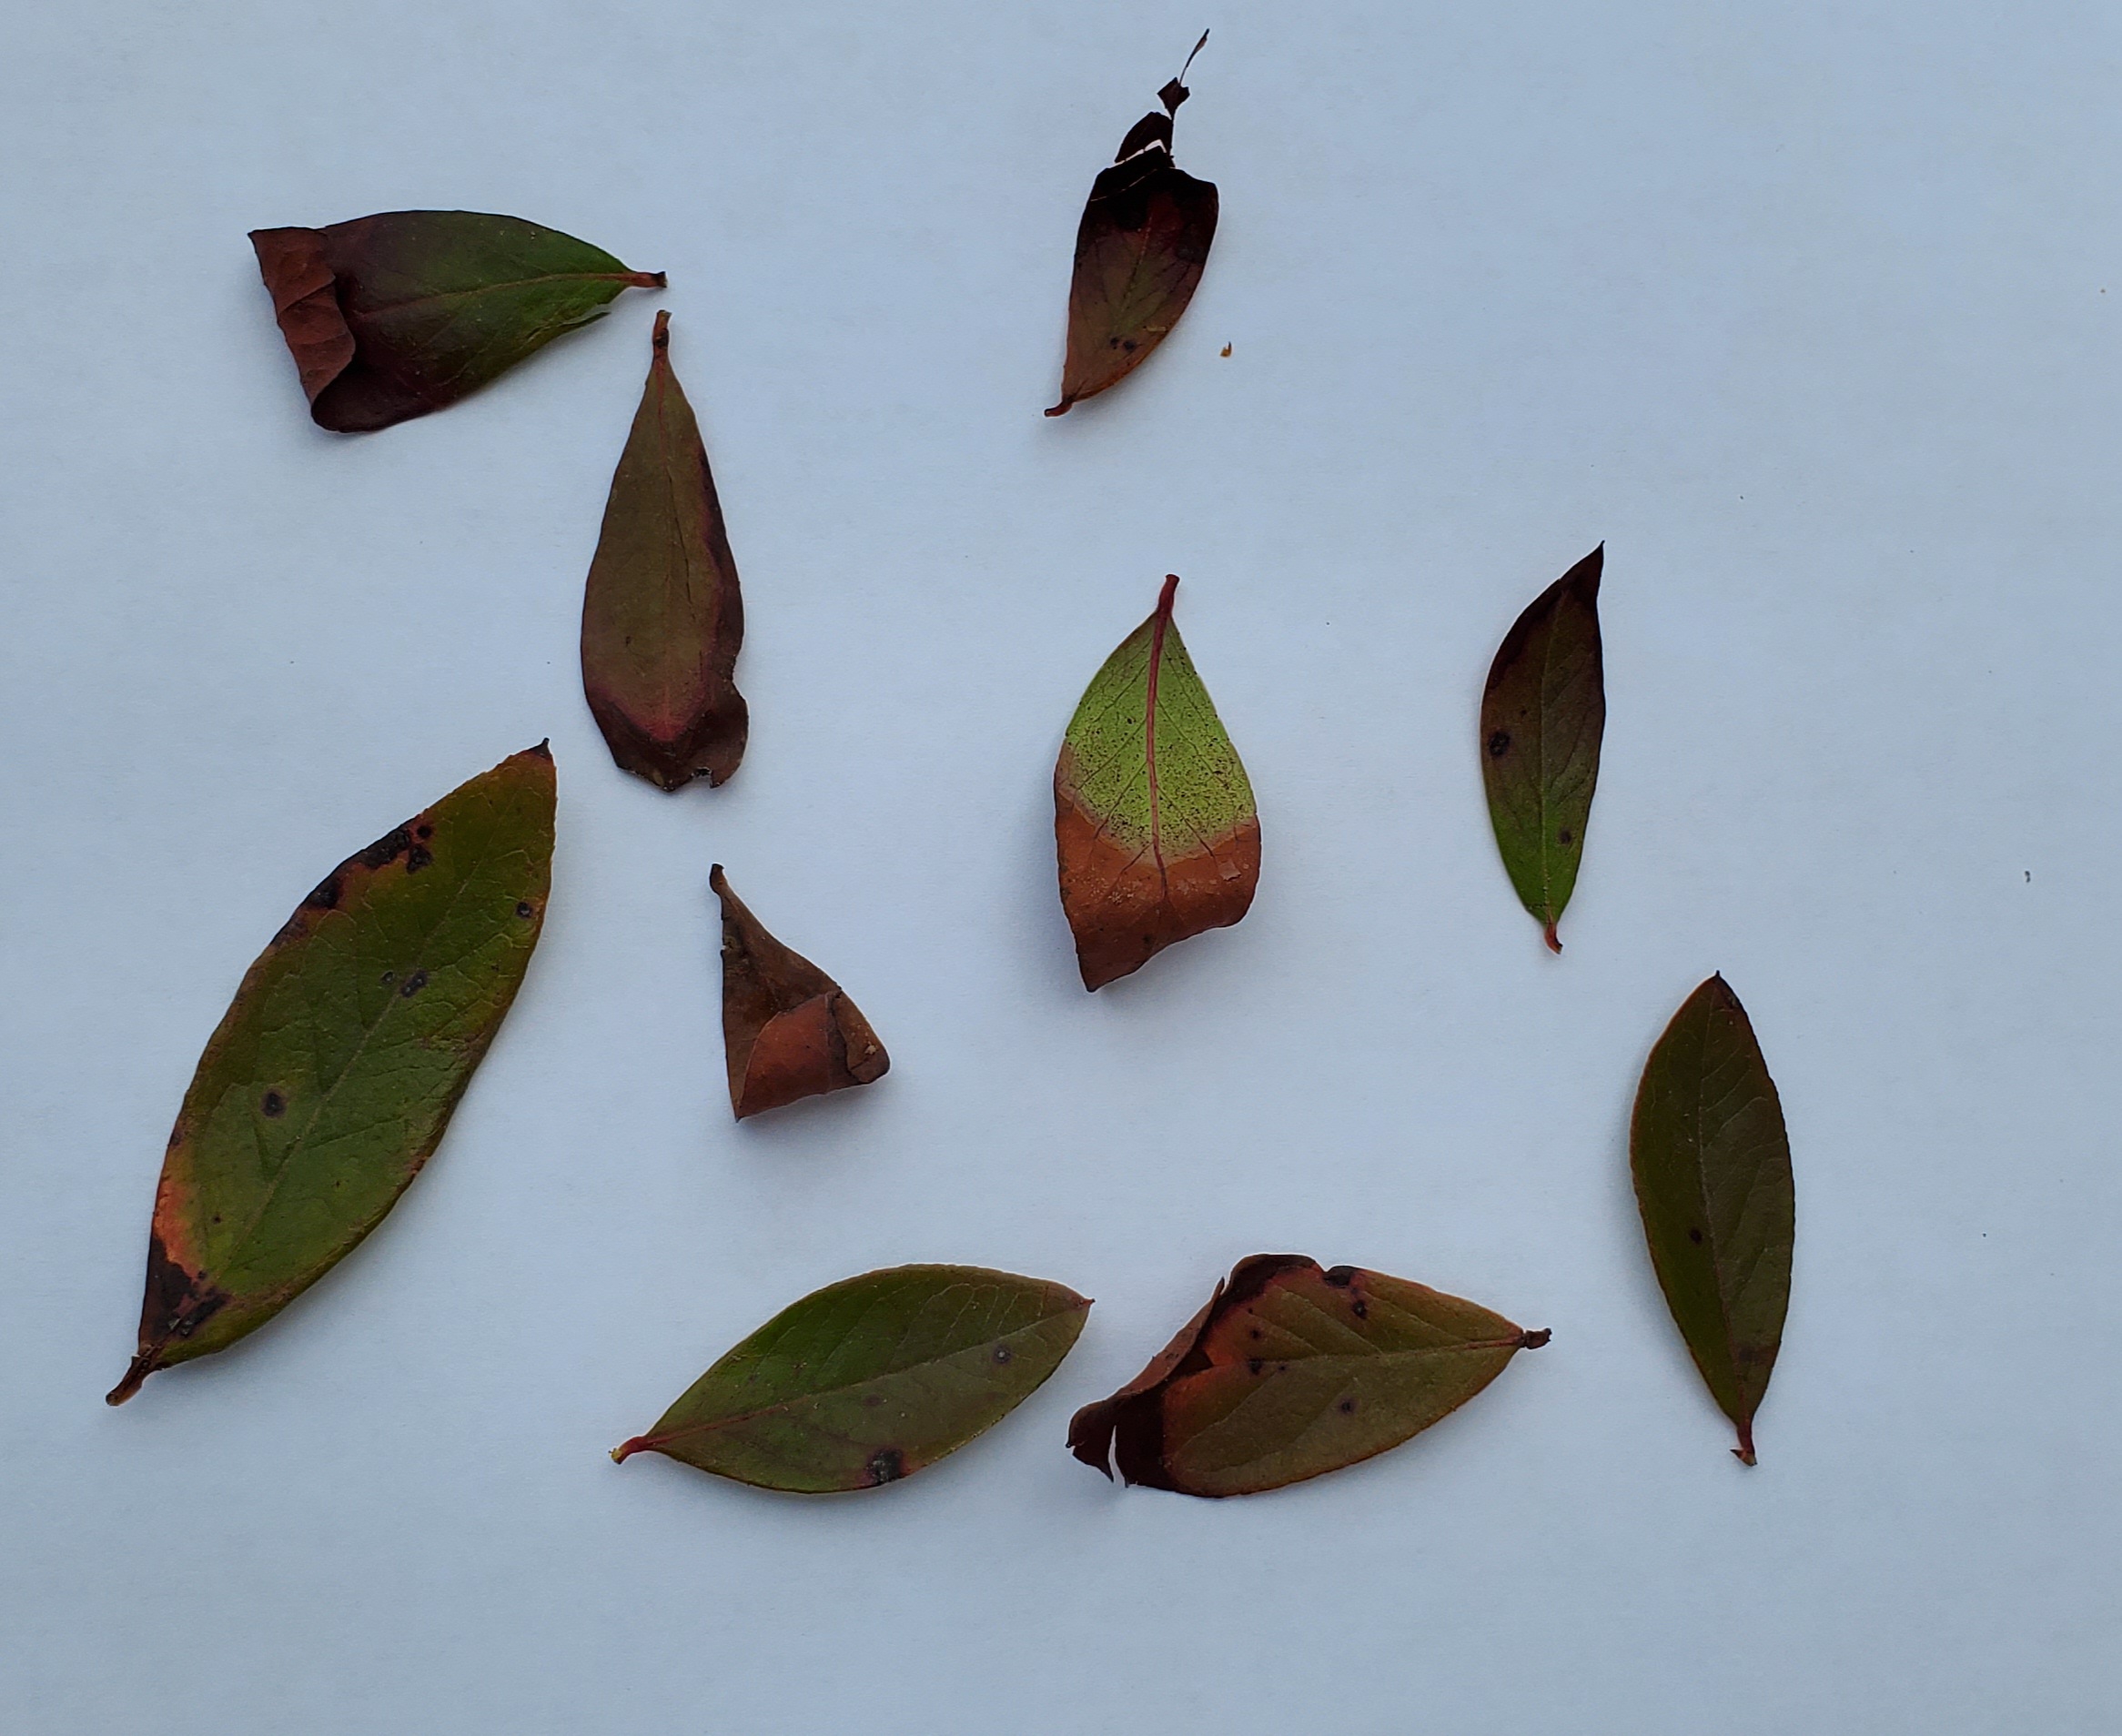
(662,618)
(1542,715)
(1291,1372)
(390,316)
(1154,822)
(334,1072)
(1713,1173)
(1140,250)
(868,1380)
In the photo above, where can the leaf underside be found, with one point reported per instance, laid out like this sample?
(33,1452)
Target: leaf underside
(789,1031)
(332,1076)
(662,616)
(392,316)
(1290,1372)
(1155,830)
(1712,1163)
(866,1381)
(1542,715)
(1140,252)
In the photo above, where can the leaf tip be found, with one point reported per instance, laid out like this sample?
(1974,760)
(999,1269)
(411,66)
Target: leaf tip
(1062,408)
(543,750)
(627,1448)
(136,1375)
(1534,1340)
(1554,942)
(1744,1451)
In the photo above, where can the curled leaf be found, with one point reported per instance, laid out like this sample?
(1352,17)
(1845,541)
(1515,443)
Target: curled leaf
(392,316)
(334,1072)
(868,1381)
(662,618)
(1542,715)
(1291,1372)
(789,1031)
(1140,252)
(1713,1174)
(1154,821)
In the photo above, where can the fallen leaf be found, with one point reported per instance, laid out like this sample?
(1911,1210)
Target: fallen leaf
(334,1070)
(868,1381)
(1154,819)
(392,316)
(663,618)
(1291,1372)
(1542,714)
(1140,251)
(1713,1174)
(789,1031)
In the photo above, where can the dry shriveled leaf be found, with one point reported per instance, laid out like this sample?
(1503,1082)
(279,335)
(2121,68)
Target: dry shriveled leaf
(789,1031)
(1139,253)
(334,1072)
(868,1381)
(392,316)
(1713,1174)
(1542,715)
(1290,1372)
(663,618)
(1154,821)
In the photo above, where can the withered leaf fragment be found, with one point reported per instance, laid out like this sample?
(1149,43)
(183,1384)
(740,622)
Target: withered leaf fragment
(789,1031)
(333,1074)
(1542,715)
(1154,821)
(868,1381)
(662,618)
(1713,1174)
(1140,251)
(392,316)
(1290,1372)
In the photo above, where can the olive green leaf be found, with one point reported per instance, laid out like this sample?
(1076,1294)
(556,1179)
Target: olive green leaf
(1542,714)
(334,1072)
(1291,1372)
(1154,821)
(1713,1174)
(392,316)
(868,1380)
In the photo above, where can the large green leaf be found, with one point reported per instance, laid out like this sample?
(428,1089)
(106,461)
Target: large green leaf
(334,1072)
(868,1380)
(1713,1174)
(662,618)
(1140,250)
(1542,715)
(1291,1372)
(392,316)
(1154,821)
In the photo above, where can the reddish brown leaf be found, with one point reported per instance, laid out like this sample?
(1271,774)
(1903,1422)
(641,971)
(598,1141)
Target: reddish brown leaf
(663,618)
(1291,1372)
(789,1031)
(393,316)
(1140,252)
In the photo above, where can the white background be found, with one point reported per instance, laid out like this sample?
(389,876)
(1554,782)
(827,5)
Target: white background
(1809,312)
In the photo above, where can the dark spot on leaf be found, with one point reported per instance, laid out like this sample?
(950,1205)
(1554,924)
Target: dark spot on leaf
(414,984)
(1253,1332)
(423,830)
(872,1400)
(1694,1235)
(886,1464)
(1499,744)
(418,858)
(1359,1308)
(386,849)
(525,909)
(388,978)
(1253,1364)
(274,1103)
(1347,1407)
(1562,837)
(1128,344)
(1341,1276)
(326,896)
(1001,1353)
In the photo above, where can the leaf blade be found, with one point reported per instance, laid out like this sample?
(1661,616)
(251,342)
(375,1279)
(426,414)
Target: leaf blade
(870,1379)
(1544,716)
(1157,832)
(663,610)
(1711,1161)
(403,313)
(334,1073)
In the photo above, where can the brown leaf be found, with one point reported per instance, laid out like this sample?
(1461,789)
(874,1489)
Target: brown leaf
(1139,253)
(1291,1372)
(789,1031)
(662,617)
